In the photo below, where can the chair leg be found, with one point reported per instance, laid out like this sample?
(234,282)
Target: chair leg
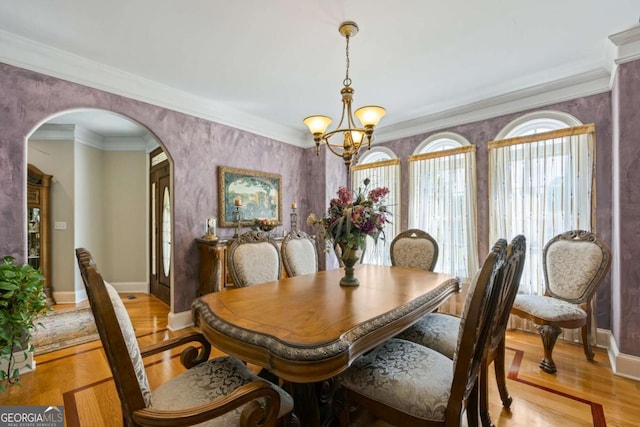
(501,378)
(586,338)
(472,406)
(483,392)
(549,334)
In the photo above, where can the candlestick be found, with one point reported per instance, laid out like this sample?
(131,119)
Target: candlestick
(236,217)
(294,217)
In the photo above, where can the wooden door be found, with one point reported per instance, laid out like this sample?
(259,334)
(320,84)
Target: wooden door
(161,224)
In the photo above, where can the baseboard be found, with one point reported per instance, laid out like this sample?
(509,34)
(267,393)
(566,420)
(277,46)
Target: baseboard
(180,320)
(624,365)
(131,287)
(81,295)
(70,297)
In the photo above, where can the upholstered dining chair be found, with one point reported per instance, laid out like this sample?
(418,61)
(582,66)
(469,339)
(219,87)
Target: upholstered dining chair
(408,384)
(414,248)
(574,264)
(215,392)
(254,257)
(439,331)
(299,254)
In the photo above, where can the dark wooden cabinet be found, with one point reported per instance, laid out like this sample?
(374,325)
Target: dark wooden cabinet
(38,225)
(213,263)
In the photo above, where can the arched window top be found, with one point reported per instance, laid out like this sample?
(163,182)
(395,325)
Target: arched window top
(441,141)
(538,122)
(377,154)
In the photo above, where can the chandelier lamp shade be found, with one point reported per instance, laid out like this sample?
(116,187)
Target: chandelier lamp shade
(347,139)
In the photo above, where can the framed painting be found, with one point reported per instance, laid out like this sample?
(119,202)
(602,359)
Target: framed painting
(257,194)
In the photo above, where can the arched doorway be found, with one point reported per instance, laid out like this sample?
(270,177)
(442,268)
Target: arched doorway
(100,200)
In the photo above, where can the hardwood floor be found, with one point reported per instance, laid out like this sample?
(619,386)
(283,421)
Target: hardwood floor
(582,393)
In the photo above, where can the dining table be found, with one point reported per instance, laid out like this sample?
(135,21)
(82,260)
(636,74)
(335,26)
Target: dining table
(308,329)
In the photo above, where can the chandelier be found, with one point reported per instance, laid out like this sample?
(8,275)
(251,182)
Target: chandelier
(348,137)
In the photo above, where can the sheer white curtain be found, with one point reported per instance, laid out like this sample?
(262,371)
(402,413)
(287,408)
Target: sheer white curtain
(443,203)
(541,185)
(385,173)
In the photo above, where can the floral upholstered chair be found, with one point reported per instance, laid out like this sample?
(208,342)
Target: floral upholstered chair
(405,383)
(574,264)
(211,392)
(254,257)
(299,254)
(439,331)
(414,248)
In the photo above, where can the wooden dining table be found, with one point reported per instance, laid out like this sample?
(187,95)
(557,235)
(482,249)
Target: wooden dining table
(307,329)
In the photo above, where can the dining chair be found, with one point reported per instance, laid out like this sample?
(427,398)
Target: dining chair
(439,331)
(408,384)
(299,254)
(253,258)
(574,264)
(215,392)
(414,248)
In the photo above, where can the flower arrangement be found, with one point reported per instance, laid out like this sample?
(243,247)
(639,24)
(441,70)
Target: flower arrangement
(264,224)
(352,217)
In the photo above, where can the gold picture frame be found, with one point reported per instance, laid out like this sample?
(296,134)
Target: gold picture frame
(259,195)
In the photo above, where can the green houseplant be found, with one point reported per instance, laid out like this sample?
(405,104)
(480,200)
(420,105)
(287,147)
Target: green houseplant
(22,300)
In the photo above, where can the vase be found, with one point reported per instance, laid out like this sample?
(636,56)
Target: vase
(349,258)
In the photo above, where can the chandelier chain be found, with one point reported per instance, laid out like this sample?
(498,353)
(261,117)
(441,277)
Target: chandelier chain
(347,79)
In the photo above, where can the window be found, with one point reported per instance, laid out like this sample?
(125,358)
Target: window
(443,200)
(382,167)
(541,184)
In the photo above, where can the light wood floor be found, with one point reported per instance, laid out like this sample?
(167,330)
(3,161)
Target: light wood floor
(582,393)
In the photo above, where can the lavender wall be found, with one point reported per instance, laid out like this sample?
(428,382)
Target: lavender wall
(196,147)
(627,331)
(593,109)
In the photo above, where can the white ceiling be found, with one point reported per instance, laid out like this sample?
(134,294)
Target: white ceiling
(265,65)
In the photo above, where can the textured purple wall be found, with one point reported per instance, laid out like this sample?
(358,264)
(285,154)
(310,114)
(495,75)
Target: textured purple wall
(593,109)
(628,179)
(196,146)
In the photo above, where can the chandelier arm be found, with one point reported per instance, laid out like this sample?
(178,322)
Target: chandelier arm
(344,104)
(331,148)
(328,135)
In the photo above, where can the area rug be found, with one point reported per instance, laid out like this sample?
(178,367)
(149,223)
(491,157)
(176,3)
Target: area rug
(64,328)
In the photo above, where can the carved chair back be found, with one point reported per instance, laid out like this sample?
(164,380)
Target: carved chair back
(254,257)
(299,254)
(118,338)
(508,282)
(414,248)
(574,264)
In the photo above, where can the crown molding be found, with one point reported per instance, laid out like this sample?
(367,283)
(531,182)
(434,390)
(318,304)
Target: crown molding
(625,45)
(38,57)
(150,142)
(577,86)
(124,144)
(81,135)
(25,53)
(52,132)
(86,137)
